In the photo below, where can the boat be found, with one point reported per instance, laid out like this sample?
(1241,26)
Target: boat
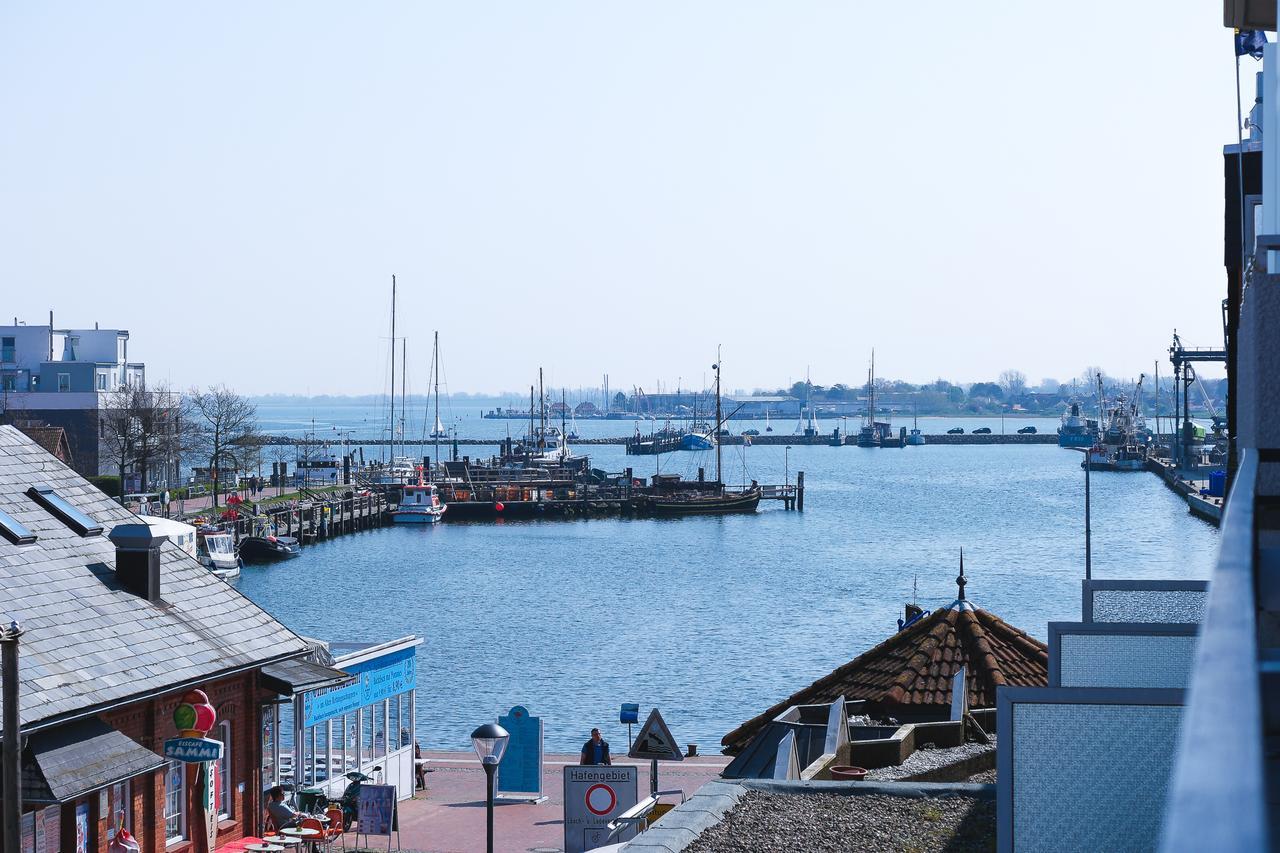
(264,546)
(1076,430)
(419,504)
(916,437)
(699,437)
(216,550)
(768,427)
(751,431)
(181,534)
(1102,457)
(268,548)
(672,496)
(869,435)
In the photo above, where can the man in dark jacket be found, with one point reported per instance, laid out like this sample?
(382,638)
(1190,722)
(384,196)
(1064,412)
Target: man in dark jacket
(596,750)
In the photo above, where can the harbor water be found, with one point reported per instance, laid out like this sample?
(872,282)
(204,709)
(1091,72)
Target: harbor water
(714,619)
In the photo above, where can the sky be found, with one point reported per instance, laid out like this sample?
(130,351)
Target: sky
(617,187)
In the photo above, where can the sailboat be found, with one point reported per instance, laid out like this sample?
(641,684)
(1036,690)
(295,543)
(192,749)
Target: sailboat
(869,435)
(768,427)
(674,497)
(916,437)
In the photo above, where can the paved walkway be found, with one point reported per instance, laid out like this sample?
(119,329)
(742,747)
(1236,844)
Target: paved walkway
(450,818)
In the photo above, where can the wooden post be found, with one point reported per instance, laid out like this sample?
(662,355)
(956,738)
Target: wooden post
(800,491)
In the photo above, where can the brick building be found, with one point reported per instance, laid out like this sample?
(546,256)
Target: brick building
(106,655)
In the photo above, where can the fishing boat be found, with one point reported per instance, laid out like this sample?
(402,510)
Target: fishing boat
(699,437)
(1102,457)
(916,437)
(216,551)
(419,504)
(1076,430)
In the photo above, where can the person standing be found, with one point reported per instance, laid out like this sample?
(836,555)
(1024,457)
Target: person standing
(596,750)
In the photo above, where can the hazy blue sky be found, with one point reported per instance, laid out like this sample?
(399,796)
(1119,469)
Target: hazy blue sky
(605,187)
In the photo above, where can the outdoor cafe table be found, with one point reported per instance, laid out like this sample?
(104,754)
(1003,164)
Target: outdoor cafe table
(264,848)
(309,835)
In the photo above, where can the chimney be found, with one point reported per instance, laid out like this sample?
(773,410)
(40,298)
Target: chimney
(138,559)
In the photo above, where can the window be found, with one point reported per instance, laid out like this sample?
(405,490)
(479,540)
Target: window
(175,818)
(11,382)
(8,346)
(64,511)
(121,809)
(15,531)
(35,382)
(64,382)
(222,794)
(102,380)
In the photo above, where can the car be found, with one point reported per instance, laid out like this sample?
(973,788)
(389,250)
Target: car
(955,431)
(982,431)
(1027,430)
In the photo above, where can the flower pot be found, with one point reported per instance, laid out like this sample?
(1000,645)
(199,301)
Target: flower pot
(845,773)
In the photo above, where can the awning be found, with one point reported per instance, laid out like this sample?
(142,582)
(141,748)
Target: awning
(68,761)
(291,677)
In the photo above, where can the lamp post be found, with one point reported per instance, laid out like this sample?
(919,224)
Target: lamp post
(490,742)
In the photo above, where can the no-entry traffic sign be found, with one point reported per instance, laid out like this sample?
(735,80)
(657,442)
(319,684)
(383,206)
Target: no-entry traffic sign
(593,796)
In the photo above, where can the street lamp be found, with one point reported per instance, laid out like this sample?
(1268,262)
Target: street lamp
(490,742)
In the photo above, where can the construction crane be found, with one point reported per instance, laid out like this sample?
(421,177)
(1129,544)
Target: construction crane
(1184,375)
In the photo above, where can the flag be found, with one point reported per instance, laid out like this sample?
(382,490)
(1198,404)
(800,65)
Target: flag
(1250,42)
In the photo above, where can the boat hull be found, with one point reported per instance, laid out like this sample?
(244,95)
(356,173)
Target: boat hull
(259,549)
(1070,439)
(745,502)
(405,517)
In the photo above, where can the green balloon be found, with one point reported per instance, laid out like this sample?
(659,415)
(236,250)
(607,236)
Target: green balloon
(184,716)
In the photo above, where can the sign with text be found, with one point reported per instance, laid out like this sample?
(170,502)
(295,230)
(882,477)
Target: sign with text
(193,749)
(375,680)
(376,810)
(520,773)
(594,795)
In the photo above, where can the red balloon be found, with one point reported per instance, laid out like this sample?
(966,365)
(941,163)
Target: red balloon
(205,717)
(499,507)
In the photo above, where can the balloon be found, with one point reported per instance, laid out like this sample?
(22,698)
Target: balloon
(499,507)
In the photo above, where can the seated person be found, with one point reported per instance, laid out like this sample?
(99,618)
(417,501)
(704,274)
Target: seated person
(282,816)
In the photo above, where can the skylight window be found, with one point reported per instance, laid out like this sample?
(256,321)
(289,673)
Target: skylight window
(64,511)
(15,531)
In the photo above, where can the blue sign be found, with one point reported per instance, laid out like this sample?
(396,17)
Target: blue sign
(630,713)
(520,772)
(376,679)
(193,749)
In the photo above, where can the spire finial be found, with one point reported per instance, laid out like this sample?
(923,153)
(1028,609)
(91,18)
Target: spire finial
(960,581)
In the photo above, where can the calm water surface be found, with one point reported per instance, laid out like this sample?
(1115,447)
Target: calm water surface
(715,619)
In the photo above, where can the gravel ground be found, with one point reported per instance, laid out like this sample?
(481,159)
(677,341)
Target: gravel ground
(829,823)
(928,759)
(985,777)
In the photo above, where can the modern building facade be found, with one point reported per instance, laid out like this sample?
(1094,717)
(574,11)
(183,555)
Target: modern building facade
(63,378)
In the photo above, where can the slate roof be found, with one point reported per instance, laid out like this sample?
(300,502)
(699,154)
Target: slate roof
(88,642)
(912,670)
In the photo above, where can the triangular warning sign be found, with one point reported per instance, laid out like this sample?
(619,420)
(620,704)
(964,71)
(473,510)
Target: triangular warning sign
(655,741)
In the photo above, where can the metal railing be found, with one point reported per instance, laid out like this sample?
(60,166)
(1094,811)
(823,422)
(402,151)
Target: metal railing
(1218,793)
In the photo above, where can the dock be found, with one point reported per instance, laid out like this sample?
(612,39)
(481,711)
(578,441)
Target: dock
(1206,507)
(821,439)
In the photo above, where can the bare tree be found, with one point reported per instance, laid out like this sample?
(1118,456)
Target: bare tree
(1014,383)
(119,428)
(224,430)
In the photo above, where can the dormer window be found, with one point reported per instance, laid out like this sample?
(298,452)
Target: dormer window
(62,509)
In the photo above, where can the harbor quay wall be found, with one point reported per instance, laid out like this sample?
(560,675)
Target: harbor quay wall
(793,440)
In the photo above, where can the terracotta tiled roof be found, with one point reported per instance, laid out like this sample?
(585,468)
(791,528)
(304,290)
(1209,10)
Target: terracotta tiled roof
(52,439)
(912,670)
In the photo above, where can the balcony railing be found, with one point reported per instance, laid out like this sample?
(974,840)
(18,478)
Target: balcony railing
(1218,795)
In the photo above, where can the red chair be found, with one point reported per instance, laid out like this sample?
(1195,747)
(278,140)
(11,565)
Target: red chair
(334,831)
(318,840)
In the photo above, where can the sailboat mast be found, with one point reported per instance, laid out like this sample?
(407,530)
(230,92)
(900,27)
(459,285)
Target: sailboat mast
(404,373)
(542,413)
(564,433)
(719,476)
(529,449)
(435,363)
(393,369)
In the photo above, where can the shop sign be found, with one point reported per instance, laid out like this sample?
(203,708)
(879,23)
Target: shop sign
(377,679)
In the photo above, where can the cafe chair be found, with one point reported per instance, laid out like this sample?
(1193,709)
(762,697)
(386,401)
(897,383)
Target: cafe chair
(334,831)
(318,840)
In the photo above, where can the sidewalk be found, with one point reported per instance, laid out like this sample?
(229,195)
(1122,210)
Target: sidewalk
(449,817)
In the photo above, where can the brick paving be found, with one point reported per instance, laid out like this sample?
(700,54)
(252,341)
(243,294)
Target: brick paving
(450,817)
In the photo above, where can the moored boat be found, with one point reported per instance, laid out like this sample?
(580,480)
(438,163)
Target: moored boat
(1076,430)
(419,504)
(216,551)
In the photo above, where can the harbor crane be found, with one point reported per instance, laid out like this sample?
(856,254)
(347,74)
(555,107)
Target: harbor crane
(1184,375)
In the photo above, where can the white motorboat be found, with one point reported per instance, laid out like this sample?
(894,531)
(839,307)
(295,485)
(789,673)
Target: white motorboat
(419,504)
(216,551)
